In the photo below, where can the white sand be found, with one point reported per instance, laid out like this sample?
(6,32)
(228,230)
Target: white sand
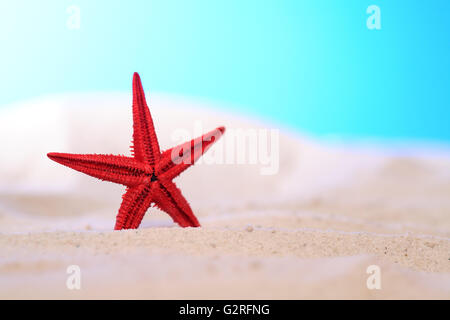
(309,231)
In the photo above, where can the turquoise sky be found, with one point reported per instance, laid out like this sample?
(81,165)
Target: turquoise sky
(313,65)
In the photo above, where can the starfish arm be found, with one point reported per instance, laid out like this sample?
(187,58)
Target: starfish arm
(117,169)
(134,205)
(145,146)
(174,161)
(169,199)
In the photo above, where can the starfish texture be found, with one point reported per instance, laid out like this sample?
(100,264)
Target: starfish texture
(148,174)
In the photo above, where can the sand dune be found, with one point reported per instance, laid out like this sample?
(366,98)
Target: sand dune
(309,231)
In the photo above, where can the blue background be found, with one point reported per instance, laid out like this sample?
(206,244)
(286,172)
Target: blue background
(312,65)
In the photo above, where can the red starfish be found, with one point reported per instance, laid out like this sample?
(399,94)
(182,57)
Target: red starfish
(148,174)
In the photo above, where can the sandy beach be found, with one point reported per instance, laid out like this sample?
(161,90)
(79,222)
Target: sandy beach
(309,231)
